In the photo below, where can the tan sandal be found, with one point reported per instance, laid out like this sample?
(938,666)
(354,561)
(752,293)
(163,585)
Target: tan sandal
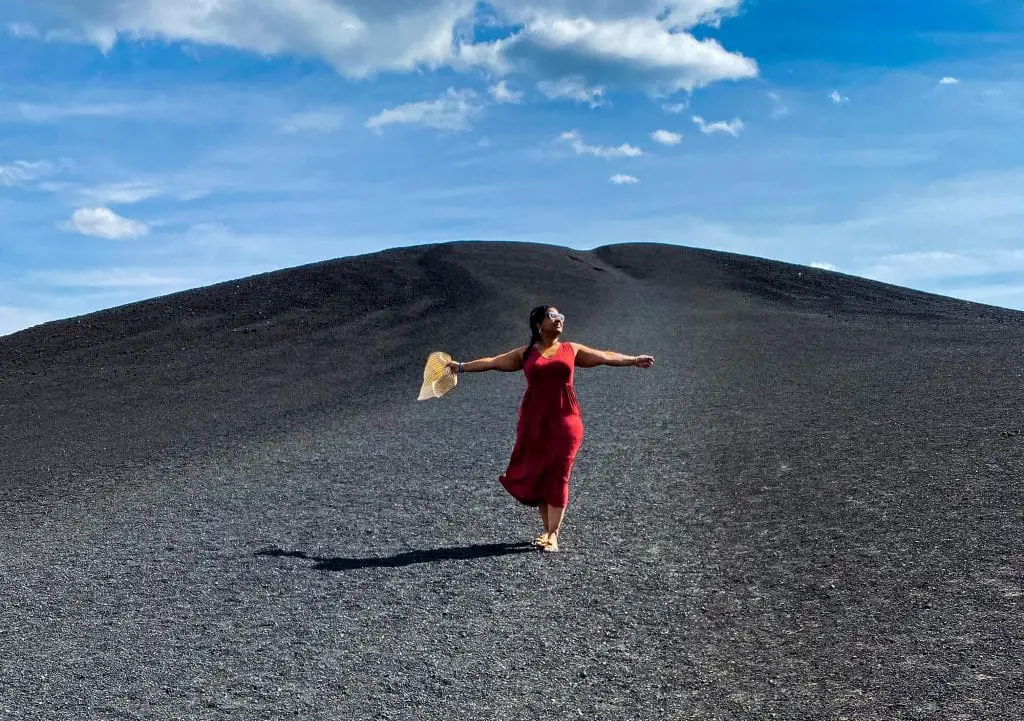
(541,540)
(550,546)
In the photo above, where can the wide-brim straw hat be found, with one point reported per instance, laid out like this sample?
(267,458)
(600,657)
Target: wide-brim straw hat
(438,378)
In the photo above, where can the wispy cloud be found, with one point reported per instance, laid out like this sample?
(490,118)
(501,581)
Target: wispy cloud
(949,81)
(313,121)
(573,89)
(24,172)
(732,127)
(121,193)
(104,223)
(575,140)
(14,318)
(54,112)
(453,112)
(779,109)
(23,30)
(667,137)
(503,95)
(907,268)
(113,278)
(624,179)
(838,98)
(823,266)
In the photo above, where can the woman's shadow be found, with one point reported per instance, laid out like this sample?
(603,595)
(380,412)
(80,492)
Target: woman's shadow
(461,553)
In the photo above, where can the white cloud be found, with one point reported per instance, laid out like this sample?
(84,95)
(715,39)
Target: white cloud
(451,112)
(674,108)
(838,98)
(823,266)
(624,179)
(625,150)
(313,121)
(121,193)
(635,44)
(628,52)
(503,95)
(105,223)
(572,89)
(732,127)
(23,172)
(23,30)
(949,81)
(667,137)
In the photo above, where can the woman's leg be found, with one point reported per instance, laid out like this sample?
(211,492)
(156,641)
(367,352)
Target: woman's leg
(555,516)
(543,537)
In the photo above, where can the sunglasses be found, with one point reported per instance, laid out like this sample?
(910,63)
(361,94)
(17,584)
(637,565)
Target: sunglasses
(556,316)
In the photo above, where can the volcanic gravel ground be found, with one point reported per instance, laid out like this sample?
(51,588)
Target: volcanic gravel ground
(227,504)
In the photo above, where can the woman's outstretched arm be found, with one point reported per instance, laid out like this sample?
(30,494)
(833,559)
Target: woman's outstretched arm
(588,358)
(506,362)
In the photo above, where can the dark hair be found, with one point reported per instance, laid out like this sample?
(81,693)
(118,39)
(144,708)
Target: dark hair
(536,318)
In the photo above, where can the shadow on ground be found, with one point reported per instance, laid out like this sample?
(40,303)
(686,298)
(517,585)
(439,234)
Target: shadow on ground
(461,553)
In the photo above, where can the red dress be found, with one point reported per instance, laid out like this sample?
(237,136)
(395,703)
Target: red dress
(549,431)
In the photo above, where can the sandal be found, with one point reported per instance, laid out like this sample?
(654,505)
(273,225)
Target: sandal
(541,540)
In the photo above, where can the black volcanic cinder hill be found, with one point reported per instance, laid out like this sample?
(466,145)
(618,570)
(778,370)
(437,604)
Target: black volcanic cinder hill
(226,503)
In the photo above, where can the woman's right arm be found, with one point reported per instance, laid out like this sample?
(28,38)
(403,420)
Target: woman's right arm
(506,362)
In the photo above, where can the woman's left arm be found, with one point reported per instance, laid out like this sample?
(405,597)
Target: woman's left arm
(588,358)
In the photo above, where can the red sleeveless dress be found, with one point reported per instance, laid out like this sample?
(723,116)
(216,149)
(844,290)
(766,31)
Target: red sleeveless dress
(549,431)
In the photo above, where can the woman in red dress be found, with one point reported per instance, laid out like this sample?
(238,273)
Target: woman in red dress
(550,426)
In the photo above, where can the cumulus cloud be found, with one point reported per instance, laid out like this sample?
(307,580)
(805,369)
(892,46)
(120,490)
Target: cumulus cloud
(631,52)
(105,223)
(503,95)
(949,81)
(574,89)
(575,140)
(634,43)
(838,98)
(624,179)
(453,112)
(667,137)
(732,127)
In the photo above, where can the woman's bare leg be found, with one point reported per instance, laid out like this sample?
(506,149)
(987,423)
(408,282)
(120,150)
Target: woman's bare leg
(554,525)
(543,537)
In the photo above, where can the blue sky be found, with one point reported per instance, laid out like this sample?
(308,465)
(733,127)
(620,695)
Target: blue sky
(160,145)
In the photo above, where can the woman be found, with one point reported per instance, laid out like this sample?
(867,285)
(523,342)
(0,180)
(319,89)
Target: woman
(550,427)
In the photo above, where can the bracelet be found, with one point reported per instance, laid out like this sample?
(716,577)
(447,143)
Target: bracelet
(460,367)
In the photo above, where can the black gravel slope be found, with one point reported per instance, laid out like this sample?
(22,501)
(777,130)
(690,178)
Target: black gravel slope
(226,504)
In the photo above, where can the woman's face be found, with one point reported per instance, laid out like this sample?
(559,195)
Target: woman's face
(552,322)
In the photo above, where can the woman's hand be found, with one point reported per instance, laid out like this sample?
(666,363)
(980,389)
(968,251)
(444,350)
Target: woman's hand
(453,366)
(644,361)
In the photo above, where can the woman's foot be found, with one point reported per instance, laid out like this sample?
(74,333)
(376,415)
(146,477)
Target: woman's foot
(551,545)
(542,539)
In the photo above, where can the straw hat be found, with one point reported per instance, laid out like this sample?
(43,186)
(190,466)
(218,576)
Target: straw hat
(438,378)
